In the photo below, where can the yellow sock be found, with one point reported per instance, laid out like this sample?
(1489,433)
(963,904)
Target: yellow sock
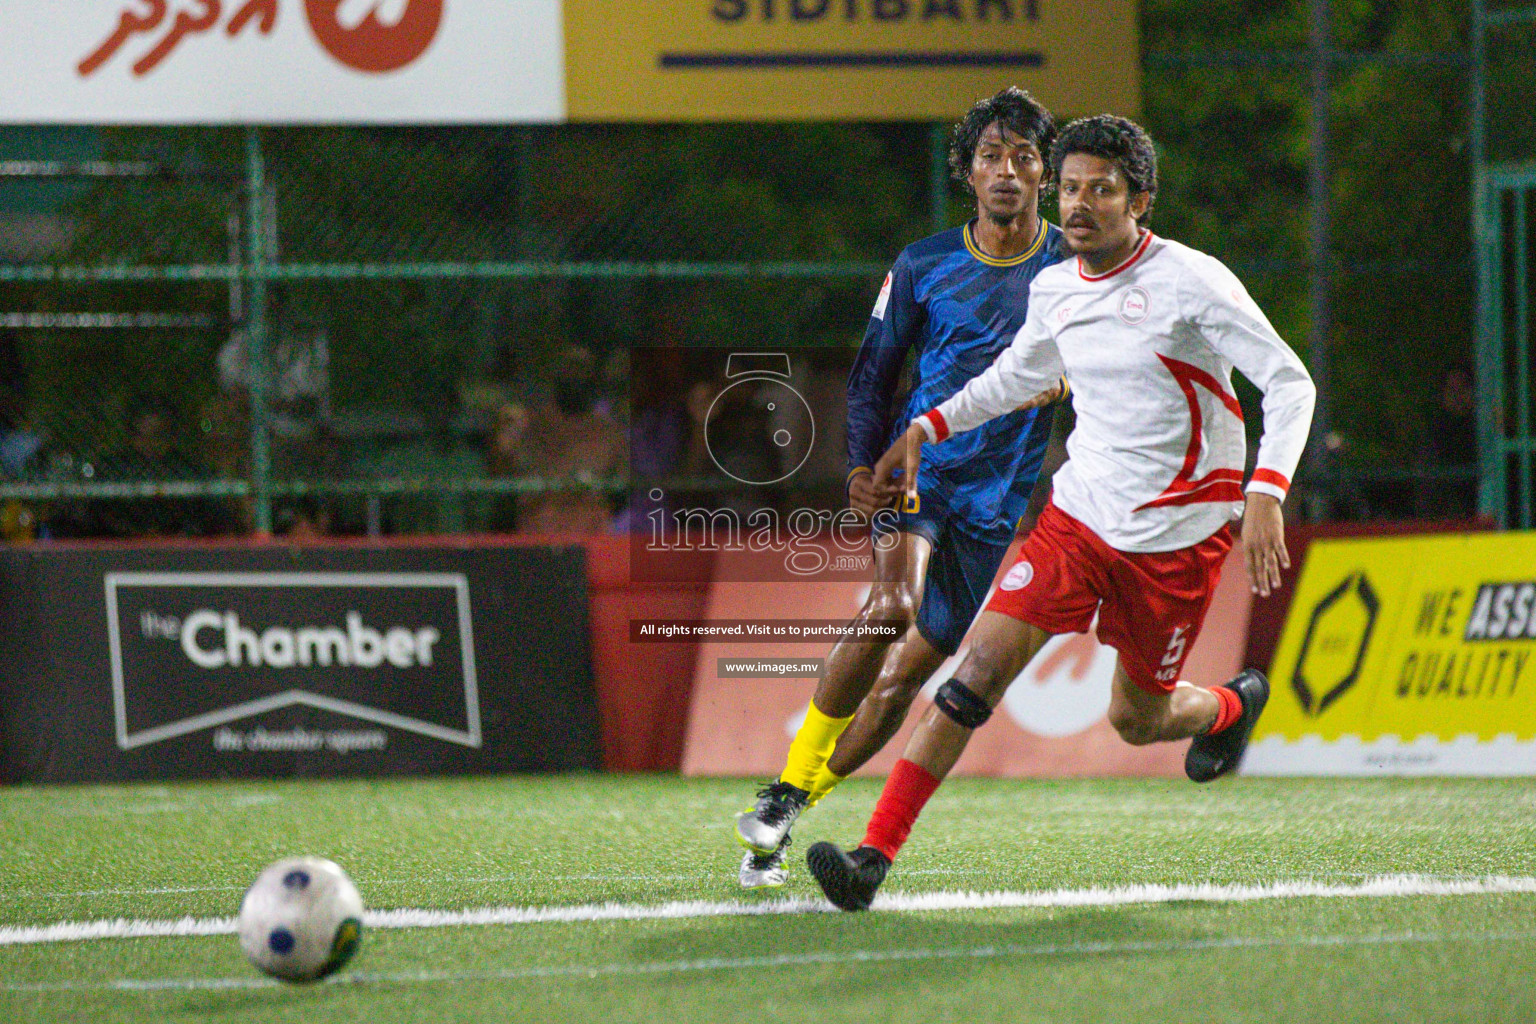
(824,783)
(812,746)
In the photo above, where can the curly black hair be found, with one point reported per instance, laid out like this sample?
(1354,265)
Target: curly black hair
(1013,109)
(1112,138)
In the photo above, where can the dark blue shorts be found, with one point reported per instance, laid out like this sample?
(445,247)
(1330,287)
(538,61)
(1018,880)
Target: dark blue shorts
(960,570)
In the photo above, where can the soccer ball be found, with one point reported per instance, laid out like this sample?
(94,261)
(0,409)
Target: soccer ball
(301,919)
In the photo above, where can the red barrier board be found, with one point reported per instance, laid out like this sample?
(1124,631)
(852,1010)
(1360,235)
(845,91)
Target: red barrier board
(1051,724)
(642,689)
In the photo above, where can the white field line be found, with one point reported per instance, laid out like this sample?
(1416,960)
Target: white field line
(193,806)
(1384,886)
(22,894)
(419,881)
(856,956)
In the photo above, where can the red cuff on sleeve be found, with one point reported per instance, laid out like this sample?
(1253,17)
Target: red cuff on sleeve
(1269,476)
(936,421)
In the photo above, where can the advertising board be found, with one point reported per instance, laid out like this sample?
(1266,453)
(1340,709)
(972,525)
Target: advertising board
(211,661)
(747,704)
(803,60)
(281,61)
(546,61)
(1407,656)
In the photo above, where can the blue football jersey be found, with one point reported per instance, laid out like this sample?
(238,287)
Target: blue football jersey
(955,309)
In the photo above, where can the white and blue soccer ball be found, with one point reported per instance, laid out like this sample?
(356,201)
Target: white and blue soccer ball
(301,920)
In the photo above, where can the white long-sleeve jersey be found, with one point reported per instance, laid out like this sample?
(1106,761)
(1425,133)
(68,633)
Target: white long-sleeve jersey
(1156,459)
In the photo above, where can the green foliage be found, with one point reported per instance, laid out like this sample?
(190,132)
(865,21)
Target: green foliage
(1236,144)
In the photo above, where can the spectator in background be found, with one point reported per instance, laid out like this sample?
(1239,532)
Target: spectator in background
(613,385)
(565,438)
(302,519)
(503,458)
(298,377)
(224,434)
(151,454)
(19,444)
(815,478)
(1451,449)
(666,433)
(303,441)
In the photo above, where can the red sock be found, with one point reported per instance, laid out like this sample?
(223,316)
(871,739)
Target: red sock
(1231,708)
(907,789)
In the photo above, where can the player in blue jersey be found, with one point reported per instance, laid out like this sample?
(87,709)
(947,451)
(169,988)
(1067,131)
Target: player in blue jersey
(951,303)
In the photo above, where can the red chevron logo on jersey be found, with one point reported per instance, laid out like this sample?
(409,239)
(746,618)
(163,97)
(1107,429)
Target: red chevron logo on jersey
(1218,484)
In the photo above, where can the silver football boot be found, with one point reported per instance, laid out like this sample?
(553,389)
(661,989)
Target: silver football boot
(762,828)
(765,870)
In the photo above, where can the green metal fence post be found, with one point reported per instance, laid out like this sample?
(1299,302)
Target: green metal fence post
(256,329)
(1522,369)
(1485,247)
(938,178)
(1320,276)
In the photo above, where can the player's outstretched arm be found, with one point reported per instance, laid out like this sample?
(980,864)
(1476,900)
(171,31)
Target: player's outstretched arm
(1048,396)
(1026,374)
(906,453)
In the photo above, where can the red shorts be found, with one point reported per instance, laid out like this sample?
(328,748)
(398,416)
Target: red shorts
(1150,606)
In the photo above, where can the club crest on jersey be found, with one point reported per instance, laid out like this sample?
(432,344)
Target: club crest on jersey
(1134,305)
(885,297)
(1018,577)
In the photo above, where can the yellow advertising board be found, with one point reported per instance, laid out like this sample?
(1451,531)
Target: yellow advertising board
(1410,655)
(806,60)
(549,61)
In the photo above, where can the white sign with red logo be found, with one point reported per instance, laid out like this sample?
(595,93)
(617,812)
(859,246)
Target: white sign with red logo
(282,61)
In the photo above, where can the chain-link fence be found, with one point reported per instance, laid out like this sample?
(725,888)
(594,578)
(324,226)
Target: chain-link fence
(1504,233)
(402,286)
(223,329)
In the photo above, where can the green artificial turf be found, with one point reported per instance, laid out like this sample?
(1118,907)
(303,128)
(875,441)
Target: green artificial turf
(164,851)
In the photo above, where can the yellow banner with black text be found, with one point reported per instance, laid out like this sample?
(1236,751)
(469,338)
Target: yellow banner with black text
(1410,655)
(809,60)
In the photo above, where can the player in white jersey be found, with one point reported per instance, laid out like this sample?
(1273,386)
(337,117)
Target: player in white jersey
(1148,332)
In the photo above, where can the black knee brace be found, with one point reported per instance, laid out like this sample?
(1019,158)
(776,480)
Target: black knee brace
(960,702)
